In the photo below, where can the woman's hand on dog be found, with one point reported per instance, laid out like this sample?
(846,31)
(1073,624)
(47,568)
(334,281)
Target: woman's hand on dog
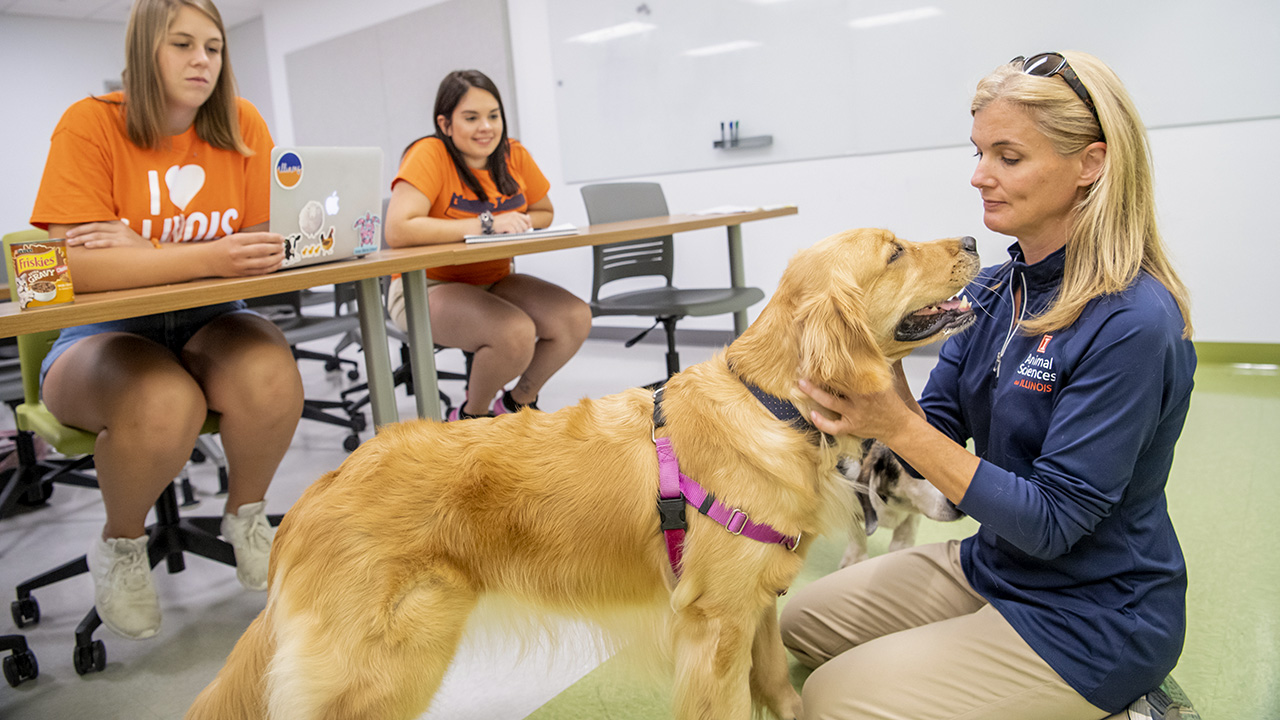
(873,415)
(894,418)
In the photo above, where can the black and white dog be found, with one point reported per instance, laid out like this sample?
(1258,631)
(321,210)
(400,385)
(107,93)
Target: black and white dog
(888,496)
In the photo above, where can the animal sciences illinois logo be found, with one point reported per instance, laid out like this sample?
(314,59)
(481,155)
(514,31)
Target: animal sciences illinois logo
(1037,371)
(288,170)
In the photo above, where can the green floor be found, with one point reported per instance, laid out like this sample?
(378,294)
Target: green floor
(1222,495)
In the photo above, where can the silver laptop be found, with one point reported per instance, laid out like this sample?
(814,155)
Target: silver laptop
(326,202)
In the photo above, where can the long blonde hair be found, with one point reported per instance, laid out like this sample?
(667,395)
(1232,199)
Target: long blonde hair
(1113,233)
(217,121)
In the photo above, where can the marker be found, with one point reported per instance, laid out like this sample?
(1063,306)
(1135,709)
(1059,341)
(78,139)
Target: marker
(721,134)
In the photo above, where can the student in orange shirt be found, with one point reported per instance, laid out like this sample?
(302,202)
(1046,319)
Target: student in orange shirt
(470,179)
(163,183)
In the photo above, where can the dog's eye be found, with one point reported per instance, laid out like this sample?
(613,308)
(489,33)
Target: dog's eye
(897,252)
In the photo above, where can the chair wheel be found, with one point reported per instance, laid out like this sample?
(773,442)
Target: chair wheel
(353,374)
(197,456)
(37,495)
(20,667)
(25,611)
(188,494)
(351,442)
(358,423)
(90,658)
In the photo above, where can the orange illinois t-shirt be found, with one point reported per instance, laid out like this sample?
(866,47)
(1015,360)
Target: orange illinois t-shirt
(428,167)
(184,191)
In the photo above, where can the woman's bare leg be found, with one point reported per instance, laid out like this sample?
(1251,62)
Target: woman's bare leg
(146,410)
(250,377)
(501,337)
(561,320)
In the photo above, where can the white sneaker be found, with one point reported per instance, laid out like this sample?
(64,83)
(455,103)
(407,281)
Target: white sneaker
(250,535)
(123,590)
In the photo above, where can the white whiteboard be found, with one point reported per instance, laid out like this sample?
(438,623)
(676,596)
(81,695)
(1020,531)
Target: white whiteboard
(639,105)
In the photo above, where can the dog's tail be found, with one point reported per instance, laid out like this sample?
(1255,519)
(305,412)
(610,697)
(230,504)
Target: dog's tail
(239,690)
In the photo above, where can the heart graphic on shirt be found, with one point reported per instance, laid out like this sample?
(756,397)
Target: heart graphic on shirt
(184,182)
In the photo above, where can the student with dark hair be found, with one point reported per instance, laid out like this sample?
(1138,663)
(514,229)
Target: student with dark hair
(469,178)
(163,183)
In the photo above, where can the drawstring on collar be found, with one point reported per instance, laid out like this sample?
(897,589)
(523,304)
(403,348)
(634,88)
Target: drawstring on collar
(1014,322)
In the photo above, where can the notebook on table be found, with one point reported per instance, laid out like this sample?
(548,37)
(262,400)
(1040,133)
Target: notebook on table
(553,231)
(326,202)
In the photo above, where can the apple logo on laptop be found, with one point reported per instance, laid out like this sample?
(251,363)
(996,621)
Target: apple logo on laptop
(331,203)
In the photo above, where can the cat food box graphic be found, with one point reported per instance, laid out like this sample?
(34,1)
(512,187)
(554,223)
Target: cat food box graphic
(40,273)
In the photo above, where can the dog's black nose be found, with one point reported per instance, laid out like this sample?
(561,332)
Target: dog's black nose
(969,244)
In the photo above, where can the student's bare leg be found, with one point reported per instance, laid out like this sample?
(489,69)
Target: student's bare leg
(501,336)
(250,377)
(561,320)
(146,410)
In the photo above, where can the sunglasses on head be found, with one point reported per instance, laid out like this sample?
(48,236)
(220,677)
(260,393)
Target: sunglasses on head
(1052,63)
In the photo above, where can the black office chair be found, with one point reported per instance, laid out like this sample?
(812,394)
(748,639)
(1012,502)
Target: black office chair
(650,257)
(20,665)
(343,298)
(27,470)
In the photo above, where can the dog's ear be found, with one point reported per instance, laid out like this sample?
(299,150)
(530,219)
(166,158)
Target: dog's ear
(868,490)
(869,515)
(837,349)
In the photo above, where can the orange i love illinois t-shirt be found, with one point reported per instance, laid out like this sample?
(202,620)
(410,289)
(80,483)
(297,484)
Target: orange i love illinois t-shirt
(427,166)
(184,191)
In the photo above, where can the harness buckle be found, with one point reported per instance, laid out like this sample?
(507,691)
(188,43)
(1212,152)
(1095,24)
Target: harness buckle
(728,524)
(671,513)
(792,547)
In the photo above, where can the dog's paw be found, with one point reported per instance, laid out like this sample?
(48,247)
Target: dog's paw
(787,707)
(853,554)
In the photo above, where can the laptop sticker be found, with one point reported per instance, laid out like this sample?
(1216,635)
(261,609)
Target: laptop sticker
(311,240)
(367,226)
(288,170)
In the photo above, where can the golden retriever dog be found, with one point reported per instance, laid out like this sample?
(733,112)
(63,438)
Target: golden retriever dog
(376,569)
(889,497)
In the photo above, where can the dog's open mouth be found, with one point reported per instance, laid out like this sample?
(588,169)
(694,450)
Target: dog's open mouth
(949,316)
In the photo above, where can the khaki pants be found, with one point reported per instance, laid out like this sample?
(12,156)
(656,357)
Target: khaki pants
(903,636)
(395,304)
(395,300)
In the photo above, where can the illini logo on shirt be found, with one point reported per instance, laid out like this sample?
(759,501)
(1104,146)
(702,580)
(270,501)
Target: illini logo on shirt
(289,170)
(1037,372)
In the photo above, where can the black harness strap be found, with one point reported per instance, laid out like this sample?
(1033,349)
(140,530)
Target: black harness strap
(670,509)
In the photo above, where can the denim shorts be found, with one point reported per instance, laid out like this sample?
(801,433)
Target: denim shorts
(170,329)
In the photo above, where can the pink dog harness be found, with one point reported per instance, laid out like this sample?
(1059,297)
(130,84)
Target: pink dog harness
(675,489)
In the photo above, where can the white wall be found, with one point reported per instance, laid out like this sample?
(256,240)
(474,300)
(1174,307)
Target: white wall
(248,45)
(294,24)
(45,65)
